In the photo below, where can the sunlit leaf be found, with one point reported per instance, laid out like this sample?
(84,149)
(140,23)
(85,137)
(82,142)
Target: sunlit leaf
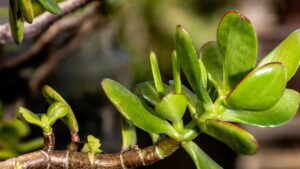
(172,107)
(131,107)
(283,111)
(213,62)
(237,42)
(188,60)
(288,53)
(260,89)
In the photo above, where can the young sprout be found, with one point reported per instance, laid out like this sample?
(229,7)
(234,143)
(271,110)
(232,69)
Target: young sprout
(92,147)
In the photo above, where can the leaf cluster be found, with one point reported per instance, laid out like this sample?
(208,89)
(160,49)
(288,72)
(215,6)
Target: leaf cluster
(228,85)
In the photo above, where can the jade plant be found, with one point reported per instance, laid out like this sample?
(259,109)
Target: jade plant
(227,88)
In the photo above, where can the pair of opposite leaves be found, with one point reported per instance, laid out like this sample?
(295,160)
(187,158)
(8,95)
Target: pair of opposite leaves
(20,10)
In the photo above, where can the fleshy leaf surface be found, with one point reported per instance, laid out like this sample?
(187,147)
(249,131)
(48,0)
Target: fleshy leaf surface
(172,107)
(213,62)
(131,107)
(30,117)
(237,42)
(57,110)
(288,53)
(283,111)
(233,136)
(199,157)
(260,89)
(188,59)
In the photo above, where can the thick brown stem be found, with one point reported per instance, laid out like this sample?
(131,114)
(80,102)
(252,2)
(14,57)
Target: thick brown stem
(78,160)
(75,140)
(49,142)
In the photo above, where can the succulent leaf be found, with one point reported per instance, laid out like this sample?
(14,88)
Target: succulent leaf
(199,157)
(131,107)
(260,89)
(283,111)
(288,53)
(237,43)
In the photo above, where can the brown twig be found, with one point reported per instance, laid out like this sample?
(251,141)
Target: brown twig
(44,20)
(43,70)
(52,32)
(78,160)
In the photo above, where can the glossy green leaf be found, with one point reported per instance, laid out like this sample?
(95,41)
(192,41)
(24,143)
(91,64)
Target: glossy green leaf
(30,117)
(26,10)
(233,136)
(176,72)
(52,96)
(129,137)
(189,63)
(199,157)
(57,110)
(283,111)
(213,62)
(260,89)
(15,21)
(149,93)
(51,6)
(172,107)
(131,107)
(156,75)
(237,42)
(288,53)
(204,75)
(194,105)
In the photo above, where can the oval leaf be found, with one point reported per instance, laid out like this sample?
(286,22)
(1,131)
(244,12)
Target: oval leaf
(288,53)
(172,107)
(233,136)
(30,117)
(259,90)
(133,109)
(57,110)
(50,5)
(283,111)
(213,62)
(26,10)
(237,42)
(199,157)
(188,61)
(15,21)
